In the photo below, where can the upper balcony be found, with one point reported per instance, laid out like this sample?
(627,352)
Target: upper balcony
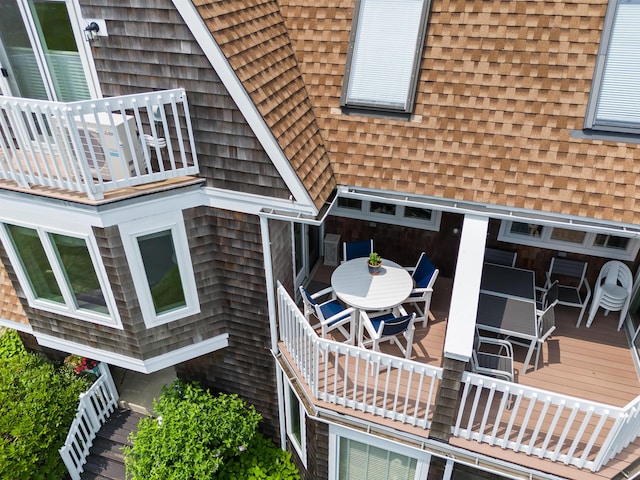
(96,147)
(576,416)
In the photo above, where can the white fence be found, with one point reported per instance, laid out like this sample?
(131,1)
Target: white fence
(96,405)
(353,377)
(508,415)
(95,146)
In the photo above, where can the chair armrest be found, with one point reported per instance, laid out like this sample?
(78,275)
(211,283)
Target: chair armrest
(333,318)
(323,292)
(422,290)
(497,341)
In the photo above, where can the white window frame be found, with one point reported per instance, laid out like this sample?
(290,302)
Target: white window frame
(615,35)
(374,63)
(129,232)
(587,246)
(84,49)
(336,433)
(300,447)
(398,218)
(68,308)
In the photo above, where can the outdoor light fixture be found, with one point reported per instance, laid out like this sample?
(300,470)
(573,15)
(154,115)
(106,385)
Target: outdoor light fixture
(91,31)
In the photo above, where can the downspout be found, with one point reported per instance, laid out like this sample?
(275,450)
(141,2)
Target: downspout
(273,327)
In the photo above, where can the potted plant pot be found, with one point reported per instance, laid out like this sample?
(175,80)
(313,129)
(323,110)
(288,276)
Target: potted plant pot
(374,263)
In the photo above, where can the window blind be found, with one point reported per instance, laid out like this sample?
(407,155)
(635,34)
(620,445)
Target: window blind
(619,98)
(387,42)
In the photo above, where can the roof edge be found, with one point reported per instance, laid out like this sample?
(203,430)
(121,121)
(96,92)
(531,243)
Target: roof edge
(234,86)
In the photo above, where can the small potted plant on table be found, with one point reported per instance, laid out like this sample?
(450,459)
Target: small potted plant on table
(374,263)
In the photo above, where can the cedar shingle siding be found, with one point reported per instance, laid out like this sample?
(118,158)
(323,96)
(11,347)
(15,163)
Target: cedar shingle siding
(150,48)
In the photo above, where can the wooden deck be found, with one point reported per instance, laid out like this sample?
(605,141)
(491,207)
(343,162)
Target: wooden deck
(591,363)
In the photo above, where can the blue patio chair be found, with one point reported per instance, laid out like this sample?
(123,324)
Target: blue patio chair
(388,327)
(330,315)
(424,275)
(359,249)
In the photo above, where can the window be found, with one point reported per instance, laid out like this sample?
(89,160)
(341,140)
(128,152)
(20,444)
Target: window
(359,456)
(384,212)
(615,94)
(570,240)
(59,273)
(42,48)
(384,54)
(160,264)
(295,421)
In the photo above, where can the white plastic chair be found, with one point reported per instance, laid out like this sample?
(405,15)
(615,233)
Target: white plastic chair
(424,275)
(331,314)
(612,291)
(388,327)
(351,250)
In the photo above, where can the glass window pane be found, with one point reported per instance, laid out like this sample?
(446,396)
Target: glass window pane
(359,461)
(35,264)
(417,213)
(383,208)
(60,50)
(611,241)
(350,203)
(23,66)
(77,266)
(566,235)
(162,271)
(294,415)
(526,229)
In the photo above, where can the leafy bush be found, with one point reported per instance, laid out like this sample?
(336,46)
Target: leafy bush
(37,405)
(193,435)
(261,460)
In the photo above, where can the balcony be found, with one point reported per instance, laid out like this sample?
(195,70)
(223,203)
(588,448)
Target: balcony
(576,416)
(96,147)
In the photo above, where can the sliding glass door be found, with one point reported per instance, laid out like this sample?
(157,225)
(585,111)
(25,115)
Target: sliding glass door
(42,51)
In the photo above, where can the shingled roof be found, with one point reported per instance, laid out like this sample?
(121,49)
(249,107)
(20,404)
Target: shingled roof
(501,86)
(255,41)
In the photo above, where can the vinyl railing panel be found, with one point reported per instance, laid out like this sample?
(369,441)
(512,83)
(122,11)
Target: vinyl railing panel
(97,146)
(352,377)
(94,408)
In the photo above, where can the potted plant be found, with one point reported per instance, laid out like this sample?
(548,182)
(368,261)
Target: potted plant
(374,263)
(80,364)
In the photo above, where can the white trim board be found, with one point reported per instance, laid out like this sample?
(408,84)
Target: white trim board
(149,365)
(234,86)
(21,327)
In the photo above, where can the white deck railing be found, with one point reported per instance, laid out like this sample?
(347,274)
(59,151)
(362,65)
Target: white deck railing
(357,378)
(96,405)
(538,422)
(508,415)
(95,146)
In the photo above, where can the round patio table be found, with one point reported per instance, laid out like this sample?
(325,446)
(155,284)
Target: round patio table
(355,286)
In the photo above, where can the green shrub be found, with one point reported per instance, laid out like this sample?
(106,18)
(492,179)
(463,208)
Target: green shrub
(37,405)
(192,436)
(261,460)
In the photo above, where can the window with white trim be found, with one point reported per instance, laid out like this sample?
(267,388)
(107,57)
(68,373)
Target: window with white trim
(158,255)
(614,104)
(61,273)
(358,456)
(384,54)
(384,212)
(295,422)
(570,240)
